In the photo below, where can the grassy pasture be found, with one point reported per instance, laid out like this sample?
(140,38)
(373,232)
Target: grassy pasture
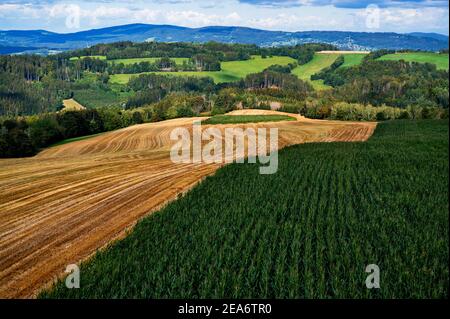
(231,70)
(319,62)
(235,70)
(308,231)
(236,119)
(352,59)
(441,60)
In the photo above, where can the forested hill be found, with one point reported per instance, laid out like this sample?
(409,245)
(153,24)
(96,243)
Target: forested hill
(44,41)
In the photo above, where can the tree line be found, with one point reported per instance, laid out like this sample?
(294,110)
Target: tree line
(222,51)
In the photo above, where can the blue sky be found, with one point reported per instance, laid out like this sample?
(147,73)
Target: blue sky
(287,15)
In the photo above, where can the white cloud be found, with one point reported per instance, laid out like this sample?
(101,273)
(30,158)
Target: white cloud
(19,11)
(404,19)
(100,13)
(103,12)
(291,22)
(233,16)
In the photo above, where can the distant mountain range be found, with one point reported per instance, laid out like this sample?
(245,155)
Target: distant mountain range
(41,41)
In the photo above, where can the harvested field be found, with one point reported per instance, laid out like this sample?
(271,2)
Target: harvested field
(72,105)
(60,206)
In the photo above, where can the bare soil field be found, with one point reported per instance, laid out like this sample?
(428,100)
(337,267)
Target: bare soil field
(64,204)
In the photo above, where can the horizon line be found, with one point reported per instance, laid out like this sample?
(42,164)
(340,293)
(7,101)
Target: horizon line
(216,26)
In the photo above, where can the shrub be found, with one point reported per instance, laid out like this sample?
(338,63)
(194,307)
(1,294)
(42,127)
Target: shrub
(381,116)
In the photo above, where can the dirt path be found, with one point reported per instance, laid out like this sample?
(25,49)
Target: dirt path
(60,206)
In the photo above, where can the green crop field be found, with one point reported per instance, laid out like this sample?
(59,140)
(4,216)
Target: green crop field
(178,61)
(320,61)
(231,70)
(94,98)
(307,231)
(235,119)
(441,60)
(352,59)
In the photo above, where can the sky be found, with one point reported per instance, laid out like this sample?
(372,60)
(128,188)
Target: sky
(287,15)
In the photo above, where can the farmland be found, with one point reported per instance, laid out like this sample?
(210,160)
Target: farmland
(352,59)
(74,139)
(235,70)
(440,60)
(60,206)
(306,232)
(319,62)
(92,98)
(323,60)
(231,70)
(72,105)
(96,183)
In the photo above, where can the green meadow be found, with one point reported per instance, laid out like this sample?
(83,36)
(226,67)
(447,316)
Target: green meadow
(231,70)
(319,62)
(351,59)
(441,60)
(235,70)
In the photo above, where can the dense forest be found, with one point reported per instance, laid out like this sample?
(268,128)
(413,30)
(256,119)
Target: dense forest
(33,87)
(221,51)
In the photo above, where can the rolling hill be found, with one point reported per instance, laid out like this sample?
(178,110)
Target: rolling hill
(308,231)
(440,60)
(41,40)
(82,195)
(231,70)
